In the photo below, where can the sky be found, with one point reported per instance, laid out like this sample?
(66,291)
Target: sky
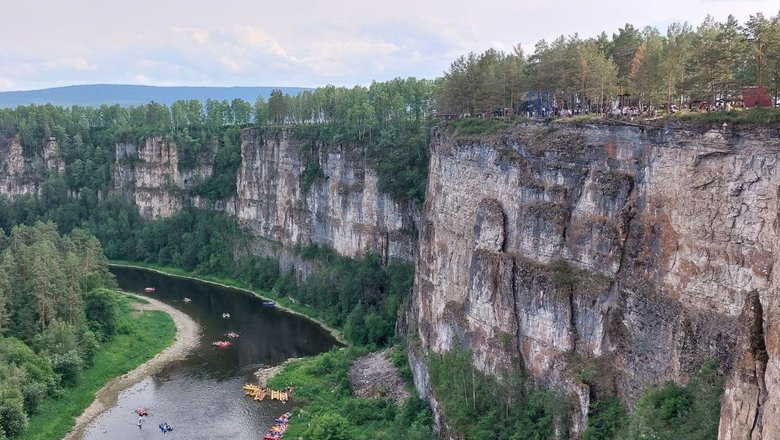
(304,43)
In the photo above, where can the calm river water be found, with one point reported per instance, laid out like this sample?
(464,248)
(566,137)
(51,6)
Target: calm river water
(201,396)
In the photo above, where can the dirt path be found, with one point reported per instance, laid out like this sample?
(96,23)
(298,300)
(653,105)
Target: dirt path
(187,336)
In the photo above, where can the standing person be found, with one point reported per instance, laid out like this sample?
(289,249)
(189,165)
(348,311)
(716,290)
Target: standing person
(140,421)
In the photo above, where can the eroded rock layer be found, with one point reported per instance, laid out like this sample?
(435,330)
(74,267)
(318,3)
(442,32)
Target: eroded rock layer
(647,250)
(298,192)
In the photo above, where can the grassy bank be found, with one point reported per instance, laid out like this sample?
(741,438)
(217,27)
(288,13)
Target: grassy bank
(139,338)
(322,391)
(283,302)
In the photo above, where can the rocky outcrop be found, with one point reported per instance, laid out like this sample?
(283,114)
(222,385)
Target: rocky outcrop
(149,174)
(290,193)
(638,247)
(296,192)
(20,175)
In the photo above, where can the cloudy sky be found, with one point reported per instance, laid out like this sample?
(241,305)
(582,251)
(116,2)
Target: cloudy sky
(49,43)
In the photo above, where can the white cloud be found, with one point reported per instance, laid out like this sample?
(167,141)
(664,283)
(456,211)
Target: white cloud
(309,43)
(258,39)
(232,65)
(6,84)
(198,35)
(75,63)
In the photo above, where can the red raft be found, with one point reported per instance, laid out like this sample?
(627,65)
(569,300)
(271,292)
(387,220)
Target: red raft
(276,431)
(222,344)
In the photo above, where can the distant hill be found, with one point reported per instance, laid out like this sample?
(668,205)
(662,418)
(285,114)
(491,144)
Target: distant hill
(96,94)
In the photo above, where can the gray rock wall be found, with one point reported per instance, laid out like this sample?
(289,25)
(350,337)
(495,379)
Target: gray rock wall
(342,209)
(637,247)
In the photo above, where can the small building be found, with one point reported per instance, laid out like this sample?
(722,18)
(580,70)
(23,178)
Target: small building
(756,96)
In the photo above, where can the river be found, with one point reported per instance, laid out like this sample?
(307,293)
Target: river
(200,397)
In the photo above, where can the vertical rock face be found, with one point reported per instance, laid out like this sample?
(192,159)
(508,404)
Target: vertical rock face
(150,175)
(51,156)
(19,175)
(645,248)
(340,206)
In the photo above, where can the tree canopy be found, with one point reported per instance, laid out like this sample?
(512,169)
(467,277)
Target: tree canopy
(46,337)
(709,63)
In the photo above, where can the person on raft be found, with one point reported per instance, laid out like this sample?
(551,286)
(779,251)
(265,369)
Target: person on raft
(165,427)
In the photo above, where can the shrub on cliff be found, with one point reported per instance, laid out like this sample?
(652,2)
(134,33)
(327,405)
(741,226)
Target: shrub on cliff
(477,405)
(676,412)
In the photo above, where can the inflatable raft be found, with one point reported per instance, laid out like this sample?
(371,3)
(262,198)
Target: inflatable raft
(276,431)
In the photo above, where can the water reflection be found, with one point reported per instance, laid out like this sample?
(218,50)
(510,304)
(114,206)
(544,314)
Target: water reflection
(201,396)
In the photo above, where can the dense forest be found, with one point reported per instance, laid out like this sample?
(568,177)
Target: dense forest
(55,312)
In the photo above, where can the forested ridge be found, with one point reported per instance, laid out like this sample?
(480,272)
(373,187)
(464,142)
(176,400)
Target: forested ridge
(681,66)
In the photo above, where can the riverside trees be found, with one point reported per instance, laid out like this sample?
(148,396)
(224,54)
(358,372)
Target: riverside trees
(46,333)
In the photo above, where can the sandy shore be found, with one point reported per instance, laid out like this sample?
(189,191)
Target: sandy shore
(187,336)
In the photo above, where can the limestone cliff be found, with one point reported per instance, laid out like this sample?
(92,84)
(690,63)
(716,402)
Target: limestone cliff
(20,175)
(647,249)
(290,193)
(149,174)
(340,206)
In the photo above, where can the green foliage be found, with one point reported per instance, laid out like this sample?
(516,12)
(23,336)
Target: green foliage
(68,366)
(362,296)
(45,278)
(605,419)
(758,116)
(59,338)
(102,312)
(330,426)
(673,412)
(512,409)
(390,119)
(322,388)
(34,367)
(222,183)
(146,335)
(13,419)
(310,175)
(400,157)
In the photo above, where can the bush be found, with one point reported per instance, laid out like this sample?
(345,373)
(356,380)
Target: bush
(605,419)
(68,366)
(322,387)
(88,346)
(512,409)
(672,412)
(330,426)
(13,420)
(102,312)
(33,393)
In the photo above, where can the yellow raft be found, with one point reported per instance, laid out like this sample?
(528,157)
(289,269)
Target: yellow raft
(259,393)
